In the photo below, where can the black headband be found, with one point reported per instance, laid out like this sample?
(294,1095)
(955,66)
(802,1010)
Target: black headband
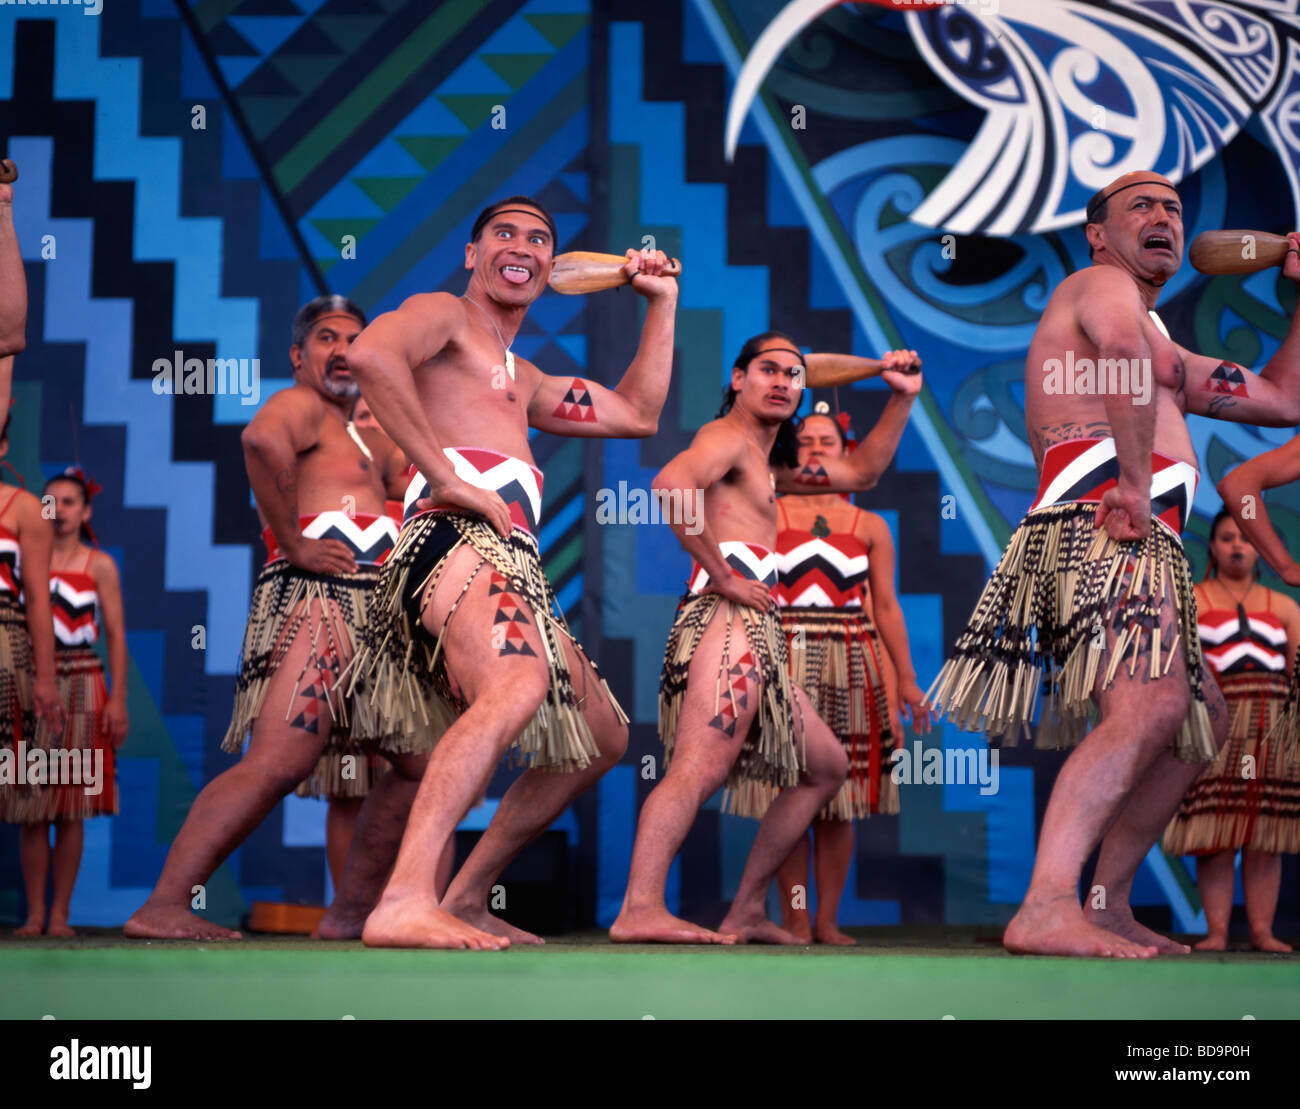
(491,215)
(1097,201)
(770,350)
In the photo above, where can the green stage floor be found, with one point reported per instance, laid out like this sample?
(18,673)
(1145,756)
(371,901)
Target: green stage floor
(914,973)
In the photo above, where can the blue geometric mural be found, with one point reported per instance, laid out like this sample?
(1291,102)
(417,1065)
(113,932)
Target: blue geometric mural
(191,172)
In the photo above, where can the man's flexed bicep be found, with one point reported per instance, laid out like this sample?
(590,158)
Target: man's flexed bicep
(1224,390)
(580,407)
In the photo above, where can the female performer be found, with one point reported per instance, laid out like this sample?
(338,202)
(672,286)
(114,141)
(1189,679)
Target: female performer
(827,550)
(30,711)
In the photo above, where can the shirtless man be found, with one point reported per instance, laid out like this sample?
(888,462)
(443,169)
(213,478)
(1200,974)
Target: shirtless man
(320,486)
(13,297)
(728,712)
(466,647)
(1116,457)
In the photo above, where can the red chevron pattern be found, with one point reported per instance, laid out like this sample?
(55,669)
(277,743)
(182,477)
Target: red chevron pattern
(822,571)
(747,560)
(74,602)
(1231,649)
(11,562)
(1081,470)
(370,538)
(515,481)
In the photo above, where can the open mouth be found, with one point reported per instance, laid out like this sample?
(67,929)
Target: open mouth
(1158,242)
(516,274)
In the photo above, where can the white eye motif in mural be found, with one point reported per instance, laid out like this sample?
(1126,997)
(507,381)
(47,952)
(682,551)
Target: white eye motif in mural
(1077,94)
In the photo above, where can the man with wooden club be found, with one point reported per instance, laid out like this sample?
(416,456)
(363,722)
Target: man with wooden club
(466,647)
(1093,594)
(727,710)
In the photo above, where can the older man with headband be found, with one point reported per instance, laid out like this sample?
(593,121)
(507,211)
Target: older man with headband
(1093,594)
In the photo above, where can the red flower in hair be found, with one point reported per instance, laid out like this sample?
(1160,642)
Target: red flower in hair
(92,486)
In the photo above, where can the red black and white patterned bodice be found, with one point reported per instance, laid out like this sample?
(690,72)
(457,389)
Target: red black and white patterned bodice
(1082,470)
(11,565)
(1241,642)
(370,537)
(74,604)
(819,568)
(515,481)
(747,560)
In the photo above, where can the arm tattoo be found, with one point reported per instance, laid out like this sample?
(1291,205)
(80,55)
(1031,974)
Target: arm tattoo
(1228,378)
(286,481)
(1218,405)
(814,473)
(576,404)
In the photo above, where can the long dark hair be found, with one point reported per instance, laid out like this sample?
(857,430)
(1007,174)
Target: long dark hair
(785,450)
(87,536)
(1212,567)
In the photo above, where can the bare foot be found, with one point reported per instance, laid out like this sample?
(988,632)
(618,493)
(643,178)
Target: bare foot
(757,929)
(1266,941)
(339,924)
(1120,920)
(31,928)
(660,926)
(479,917)
(173,922)
(1215,941)
(828,933)
(416,921)
(799,925)
(60,930)
(1057,927)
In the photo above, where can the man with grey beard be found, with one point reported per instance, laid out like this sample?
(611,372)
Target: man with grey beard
(320,485)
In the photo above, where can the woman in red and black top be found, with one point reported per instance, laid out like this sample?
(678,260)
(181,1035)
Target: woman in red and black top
(835,566)
(30,710)
(85,595)
(1249,797)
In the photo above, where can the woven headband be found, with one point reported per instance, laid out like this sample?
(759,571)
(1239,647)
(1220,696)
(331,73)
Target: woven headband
(772,350)
(1097,201)
(501,211)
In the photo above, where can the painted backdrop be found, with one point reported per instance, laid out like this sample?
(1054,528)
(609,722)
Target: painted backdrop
(862,175)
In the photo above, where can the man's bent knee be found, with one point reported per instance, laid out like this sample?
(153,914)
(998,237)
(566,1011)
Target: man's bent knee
(517,693)
(827,765)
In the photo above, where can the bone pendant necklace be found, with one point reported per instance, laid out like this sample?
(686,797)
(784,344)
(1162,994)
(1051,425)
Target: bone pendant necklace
(510,356)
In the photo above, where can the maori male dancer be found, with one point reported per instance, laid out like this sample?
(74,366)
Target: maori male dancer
(726,700)
(1094,589)
(320,487)
(465,646)
(13,297)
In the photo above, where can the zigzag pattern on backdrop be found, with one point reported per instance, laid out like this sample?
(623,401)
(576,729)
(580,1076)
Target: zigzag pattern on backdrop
(186,249)
(404,152)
